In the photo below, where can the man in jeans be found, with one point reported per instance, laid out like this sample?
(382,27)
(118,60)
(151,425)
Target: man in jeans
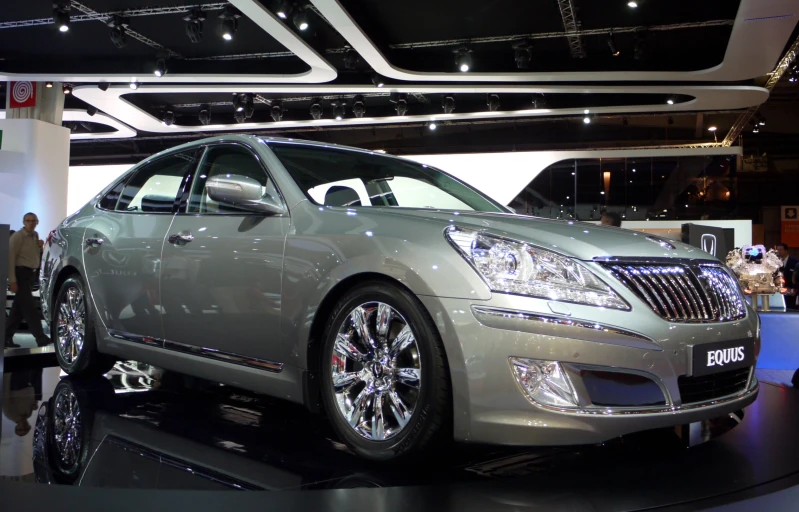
(25,254)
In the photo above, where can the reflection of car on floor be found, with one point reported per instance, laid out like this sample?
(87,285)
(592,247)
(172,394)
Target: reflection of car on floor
(404,304)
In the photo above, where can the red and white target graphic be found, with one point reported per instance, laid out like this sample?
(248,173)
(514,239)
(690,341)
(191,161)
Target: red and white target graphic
(23,95)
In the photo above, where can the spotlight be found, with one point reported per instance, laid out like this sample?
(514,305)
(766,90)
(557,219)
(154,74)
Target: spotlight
(448,103)
(194,25)
(338,111)
(761,121)
(432,125)
(160,67)
(587,120)
(49,85)
(670,101)
(103,86)
(612,45)
(402,106)
(283,10)
(277,111)
(118,33)
(91,110)
(756,129)
(239,116)
(316,108)
(358,106)
(523,54)
(632,5)
(463,59)
(301,19)
(239,101)
(378,80)
(134,85)
(61,15)
(539,101)
(249,105)
(712,128)
(67,89)
(351,59)
(492,100)
(205,114)
(169,118)
(230,22)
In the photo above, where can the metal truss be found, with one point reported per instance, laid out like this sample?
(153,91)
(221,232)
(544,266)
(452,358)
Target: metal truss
(258,98)
(245,56)
(773,77)
(146,11)
(555,35)
(572,27)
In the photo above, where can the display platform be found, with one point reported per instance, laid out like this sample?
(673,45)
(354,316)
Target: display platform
(140,430)
(780,340)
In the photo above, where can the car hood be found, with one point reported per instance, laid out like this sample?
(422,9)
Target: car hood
(578,239)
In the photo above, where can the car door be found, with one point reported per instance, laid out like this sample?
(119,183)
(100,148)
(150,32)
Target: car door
(222,268)
(122,246)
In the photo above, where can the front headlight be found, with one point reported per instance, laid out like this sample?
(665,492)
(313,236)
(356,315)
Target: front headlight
(515,267)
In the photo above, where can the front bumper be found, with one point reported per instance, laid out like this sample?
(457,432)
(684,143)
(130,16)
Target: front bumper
(489,405)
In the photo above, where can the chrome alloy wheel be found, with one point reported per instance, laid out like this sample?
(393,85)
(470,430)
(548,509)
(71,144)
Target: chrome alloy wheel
(67,428)
(71,324)
(377,371)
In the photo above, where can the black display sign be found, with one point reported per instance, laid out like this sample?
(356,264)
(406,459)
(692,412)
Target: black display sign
(722,356)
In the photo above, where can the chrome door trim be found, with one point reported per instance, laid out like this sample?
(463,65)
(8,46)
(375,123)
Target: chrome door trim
(209,353)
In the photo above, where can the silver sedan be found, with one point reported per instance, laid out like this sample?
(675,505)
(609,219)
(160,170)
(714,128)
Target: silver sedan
(400,302)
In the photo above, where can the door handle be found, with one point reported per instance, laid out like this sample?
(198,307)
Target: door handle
(94,242)
(181,238)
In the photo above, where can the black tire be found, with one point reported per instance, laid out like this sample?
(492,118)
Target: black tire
(431,420)
(88,362)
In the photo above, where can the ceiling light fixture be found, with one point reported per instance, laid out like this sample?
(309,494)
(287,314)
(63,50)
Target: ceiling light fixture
(91,110)
(358,106)
(283,9)
(49,85)
(492,100)
(670,101)
(205,114)
(160,67)
(587,120)
(169,118)
(276,111)
(118,32)
(761,120)
(194,25)
(239,116)
(378,80)
(301,19)
(432,125)
(539,101)
(448,103)
(712,128)
(338,111)
(230,22)
(351,59)
(632,5)
(316,108)
(134,85)
(612,45)
(402,106)
(61,15)
(103,86)
(523,54)
(67,89)
(463,59)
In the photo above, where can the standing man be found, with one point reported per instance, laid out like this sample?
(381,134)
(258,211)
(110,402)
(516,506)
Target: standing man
(23,262)
(789,263)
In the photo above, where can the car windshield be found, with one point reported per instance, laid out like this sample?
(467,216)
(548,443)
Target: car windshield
(351,178)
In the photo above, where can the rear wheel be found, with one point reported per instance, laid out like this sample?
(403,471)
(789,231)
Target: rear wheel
(385,382)
(74,334)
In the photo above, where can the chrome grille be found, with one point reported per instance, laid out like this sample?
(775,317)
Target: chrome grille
(682,292)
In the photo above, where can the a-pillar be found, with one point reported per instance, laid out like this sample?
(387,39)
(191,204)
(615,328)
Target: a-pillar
(34,158)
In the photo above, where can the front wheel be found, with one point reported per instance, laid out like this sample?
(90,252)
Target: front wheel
(385,381)
(74,335)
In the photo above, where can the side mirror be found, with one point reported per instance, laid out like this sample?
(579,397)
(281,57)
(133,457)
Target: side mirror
(242,191)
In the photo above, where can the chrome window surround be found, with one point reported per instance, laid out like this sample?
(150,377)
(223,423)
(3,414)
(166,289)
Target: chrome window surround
(210,353)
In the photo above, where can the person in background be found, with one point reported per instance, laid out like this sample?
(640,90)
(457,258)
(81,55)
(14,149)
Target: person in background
(25,254)
(789,264)
(610,219)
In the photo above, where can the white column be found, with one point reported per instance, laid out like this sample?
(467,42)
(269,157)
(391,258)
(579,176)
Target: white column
(34,170)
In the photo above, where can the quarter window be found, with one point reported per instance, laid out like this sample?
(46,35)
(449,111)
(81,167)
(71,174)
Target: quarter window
(154,187)
(223,161)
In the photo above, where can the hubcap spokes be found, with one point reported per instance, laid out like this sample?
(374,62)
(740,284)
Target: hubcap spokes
(377,371)
(71,325)
(67,428)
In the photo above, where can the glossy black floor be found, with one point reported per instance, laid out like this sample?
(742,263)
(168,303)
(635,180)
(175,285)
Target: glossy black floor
(144,429)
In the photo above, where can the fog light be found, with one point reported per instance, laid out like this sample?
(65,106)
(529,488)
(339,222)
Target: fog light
(544,382)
